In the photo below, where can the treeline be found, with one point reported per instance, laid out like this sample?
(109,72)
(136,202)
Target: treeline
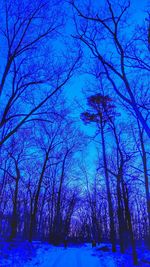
(117,206)
(38,138)
(118,104)
(38,182)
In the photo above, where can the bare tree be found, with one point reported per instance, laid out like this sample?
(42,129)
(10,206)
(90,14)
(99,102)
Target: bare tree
(101,110)
(103,33)
(28,30)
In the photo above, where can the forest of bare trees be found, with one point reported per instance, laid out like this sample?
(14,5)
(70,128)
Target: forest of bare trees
(49,189)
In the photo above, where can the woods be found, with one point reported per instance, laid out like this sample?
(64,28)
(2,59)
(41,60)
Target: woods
(75,169)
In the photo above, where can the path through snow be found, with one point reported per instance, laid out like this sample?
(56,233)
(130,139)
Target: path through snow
(60,257)
(84,256)
(38,254)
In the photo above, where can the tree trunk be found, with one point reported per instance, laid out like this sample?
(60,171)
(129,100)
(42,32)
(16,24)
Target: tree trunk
(110,206)
(35,206)
(58,220)
(14,222)
(120,212)
(129,223)
(145,169)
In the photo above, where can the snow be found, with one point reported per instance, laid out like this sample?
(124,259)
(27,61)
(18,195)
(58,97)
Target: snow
(39,254)
(48,256)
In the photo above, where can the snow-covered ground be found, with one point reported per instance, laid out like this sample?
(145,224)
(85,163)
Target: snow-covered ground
(45,255)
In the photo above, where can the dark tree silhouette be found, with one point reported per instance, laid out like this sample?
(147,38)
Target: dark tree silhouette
(101,110)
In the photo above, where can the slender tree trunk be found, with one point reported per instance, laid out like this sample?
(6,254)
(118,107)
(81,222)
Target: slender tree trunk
(146,178)
(120,212)
(110,205)
(35,206)
(51,215)
(129,223)
(58,219)
(41,212)
(119,176)
(14,222)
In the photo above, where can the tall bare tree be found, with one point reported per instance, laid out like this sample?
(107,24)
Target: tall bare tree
(103,32)
(29,78)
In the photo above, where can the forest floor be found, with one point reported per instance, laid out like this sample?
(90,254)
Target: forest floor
(40,254)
